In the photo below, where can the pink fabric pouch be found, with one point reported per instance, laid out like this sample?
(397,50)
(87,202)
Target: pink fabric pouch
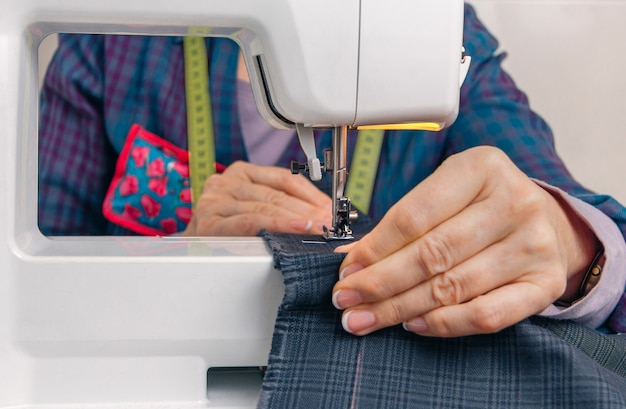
(150,193)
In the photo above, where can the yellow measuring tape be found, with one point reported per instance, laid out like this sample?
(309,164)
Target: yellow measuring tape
(201,139)
(362,174)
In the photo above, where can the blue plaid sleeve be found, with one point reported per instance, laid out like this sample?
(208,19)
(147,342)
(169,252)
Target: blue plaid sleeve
(75,161)
(495,112)
(96,88)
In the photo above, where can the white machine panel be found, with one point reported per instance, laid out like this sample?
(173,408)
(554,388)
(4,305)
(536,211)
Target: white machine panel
(109,322)
(115,322)
(421,77)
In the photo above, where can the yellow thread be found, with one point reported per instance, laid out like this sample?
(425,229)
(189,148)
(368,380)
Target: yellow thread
(416,126)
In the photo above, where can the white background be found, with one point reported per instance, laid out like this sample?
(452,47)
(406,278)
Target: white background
(570,58)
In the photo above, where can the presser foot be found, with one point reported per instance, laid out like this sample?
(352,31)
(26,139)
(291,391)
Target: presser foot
(343,217)
(340,234)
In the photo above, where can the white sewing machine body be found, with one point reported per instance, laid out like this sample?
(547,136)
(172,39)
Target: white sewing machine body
(137,322)
(99,320)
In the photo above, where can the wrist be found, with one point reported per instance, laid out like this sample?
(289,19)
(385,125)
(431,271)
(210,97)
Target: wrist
(581,284)
(585,255)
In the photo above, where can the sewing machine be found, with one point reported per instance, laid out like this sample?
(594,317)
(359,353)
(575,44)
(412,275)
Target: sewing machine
(121,322)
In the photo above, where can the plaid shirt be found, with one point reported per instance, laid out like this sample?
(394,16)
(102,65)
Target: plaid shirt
(98,86)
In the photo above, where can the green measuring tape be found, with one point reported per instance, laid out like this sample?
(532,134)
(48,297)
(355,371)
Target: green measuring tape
(201,139)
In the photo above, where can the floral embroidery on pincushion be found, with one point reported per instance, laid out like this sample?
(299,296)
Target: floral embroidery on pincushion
(150,192)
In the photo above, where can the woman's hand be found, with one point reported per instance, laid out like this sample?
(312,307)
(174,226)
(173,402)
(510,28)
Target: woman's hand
(476,247)
(248,198)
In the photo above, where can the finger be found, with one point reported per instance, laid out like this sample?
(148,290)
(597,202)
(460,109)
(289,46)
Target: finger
(490,313)
(459,181)
(345,248)
(419,211)
(236,217)
(250,224)
(310,222)
(279,199)
(222,202)
(479,275)
(283,180)
(488,270)
(228,199)
(447,245)
(301,226)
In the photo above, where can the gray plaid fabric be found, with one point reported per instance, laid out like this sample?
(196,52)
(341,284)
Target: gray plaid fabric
(314,363)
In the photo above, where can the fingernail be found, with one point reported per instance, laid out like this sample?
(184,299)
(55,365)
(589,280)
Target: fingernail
(357,320)
(301,224)
(416,325)
(343,299)
(351,269)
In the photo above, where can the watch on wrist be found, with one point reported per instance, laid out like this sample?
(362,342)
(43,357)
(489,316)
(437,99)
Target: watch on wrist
(590,279)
